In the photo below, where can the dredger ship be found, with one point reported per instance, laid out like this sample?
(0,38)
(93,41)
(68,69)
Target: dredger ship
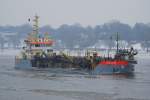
(39,53)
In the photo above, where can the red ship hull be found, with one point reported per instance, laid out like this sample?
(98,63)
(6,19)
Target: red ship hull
(114,67)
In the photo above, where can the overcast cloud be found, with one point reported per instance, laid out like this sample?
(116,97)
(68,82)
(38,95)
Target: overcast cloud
(86,12)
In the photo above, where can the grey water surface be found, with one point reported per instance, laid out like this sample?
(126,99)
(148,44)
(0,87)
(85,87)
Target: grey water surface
(72,84)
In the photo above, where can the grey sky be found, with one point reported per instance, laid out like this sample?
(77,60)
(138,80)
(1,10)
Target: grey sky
(86,12)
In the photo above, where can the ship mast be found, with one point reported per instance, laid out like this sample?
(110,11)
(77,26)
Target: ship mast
(117,39)
(36,26)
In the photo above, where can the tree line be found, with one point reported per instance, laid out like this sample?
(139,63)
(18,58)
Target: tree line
(76,34)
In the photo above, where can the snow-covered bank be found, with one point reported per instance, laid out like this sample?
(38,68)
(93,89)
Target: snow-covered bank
(13,52)
(9,52)
(143,55)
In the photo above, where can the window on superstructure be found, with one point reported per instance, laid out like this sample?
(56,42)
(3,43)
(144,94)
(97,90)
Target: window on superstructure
(37,45)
